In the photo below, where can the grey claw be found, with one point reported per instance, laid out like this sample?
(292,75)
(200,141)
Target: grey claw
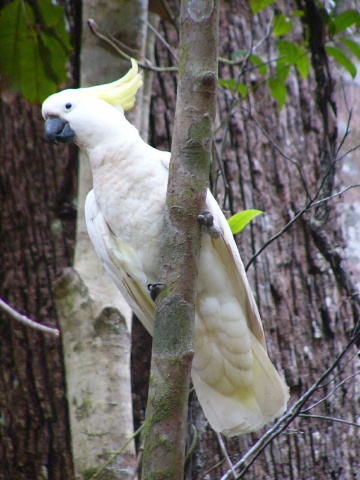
(154,289)
(207,220)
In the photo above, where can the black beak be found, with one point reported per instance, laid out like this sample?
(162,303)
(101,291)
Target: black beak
(58,130)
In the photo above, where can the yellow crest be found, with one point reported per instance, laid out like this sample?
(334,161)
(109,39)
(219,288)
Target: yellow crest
(120,93)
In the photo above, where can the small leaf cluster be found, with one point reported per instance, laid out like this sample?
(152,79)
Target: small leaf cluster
(338,44)
(34,48)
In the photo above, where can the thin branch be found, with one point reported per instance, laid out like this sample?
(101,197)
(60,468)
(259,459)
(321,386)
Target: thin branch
(26,321)
(347,153)
(121,449)
(310,205)
(162,40)
(225,453)
(254,67)
(332,391)
(285,420)
(332,419)
(283,154)
(266,36)
(171,15)
(347,131)
(337,194)
(274,237)
(340,370)
(114,43)
(203,475)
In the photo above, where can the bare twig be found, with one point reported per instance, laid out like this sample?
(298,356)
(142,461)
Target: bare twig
(26,321)
(203,475)
(283,154)
(114,43)
(194,441)
(162,40)
(121,449)
(332,419)
(225,453)
(171,15)
(331,393)
(347,131)
(254,67)
(310,205)
(248,459)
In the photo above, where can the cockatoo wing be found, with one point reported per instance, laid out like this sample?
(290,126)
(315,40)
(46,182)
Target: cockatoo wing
(121,263)
(236,383)
(227,250)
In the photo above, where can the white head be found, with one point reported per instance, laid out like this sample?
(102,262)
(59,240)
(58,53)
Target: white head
(72,116)
(93,115)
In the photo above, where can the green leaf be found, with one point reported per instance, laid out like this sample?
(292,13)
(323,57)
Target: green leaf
(302,62)
(281,25)
(345,19)
(34,48)
(282,70)
(352,46)
(239,221)
(232,84)
(341,58)
(257,5)
(238,53)
(297,13)
(288,51)
(259,63)
(277,90)
(291,54)
(242,90)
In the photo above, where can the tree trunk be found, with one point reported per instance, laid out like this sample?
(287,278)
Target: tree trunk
(300,285)
(164,449)
(37,239)
(95,320)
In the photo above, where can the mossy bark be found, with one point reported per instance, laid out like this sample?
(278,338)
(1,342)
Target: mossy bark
(164,451)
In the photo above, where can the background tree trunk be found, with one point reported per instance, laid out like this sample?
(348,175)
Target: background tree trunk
(95,320)
(37,220)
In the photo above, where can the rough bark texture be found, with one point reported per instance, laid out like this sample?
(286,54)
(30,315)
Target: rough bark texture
(307,309)
(164,450)
(93,313)
(36,242)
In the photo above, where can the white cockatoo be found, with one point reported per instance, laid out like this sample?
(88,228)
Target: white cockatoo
(235,381)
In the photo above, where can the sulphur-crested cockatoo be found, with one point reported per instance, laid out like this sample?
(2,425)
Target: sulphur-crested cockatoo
(235,381)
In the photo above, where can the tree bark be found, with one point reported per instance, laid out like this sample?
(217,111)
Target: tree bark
(166,416)
(95,319)
(37,239)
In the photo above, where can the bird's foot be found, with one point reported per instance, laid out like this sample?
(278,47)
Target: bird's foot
(154,289)
(207,220)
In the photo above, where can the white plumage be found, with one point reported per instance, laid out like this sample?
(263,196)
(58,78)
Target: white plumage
(236,383)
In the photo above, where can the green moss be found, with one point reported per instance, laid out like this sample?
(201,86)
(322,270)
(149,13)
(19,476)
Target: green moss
(79,347)
(84,409)
(89,473)
(106,474)
(183,59)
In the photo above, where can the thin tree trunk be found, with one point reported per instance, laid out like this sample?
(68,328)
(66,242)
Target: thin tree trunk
(95,319)
(166,416)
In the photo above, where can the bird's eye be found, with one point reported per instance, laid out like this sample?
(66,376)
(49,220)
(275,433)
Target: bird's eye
(68,106)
